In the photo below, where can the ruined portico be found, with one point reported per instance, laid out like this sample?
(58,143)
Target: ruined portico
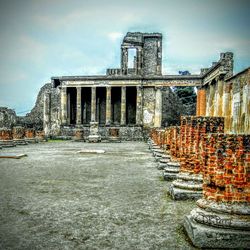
(128,99)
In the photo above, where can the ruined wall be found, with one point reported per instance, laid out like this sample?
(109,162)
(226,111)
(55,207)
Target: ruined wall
(231,99)
(152,56)
(35,117)
(240,103)
(8,117)
(52,110)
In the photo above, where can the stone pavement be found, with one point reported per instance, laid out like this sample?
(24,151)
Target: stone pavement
(57,198)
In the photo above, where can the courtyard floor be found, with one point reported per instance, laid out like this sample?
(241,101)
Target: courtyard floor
(56,198)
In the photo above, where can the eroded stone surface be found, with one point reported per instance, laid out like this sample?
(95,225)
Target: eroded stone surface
(57,199)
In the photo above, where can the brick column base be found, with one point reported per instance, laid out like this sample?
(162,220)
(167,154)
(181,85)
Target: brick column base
(222,216)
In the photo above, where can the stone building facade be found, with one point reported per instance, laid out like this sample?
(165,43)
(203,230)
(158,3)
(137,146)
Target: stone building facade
(127,99)
(227,95)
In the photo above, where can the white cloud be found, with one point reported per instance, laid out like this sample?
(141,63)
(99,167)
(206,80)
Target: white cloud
(114,36)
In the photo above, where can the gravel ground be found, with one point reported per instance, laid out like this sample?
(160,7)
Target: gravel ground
(57,198)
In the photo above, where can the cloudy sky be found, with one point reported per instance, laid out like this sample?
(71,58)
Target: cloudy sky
(44,38)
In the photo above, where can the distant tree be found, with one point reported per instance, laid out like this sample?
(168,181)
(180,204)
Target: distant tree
(187,95)
(184,73)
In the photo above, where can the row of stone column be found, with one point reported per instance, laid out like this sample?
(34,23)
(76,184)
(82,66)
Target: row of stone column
(64,114)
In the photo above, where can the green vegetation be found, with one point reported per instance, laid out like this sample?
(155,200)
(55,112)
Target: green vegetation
(55,140)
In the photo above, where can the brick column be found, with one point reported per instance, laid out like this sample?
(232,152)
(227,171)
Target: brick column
(123,106)
(221,219)
(78,105)
(93,104)
(139,105)
(64,105)
(158,107)
(193,132)
(108,105)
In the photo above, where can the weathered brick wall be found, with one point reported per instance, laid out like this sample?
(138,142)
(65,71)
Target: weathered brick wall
(226,169)
(30,133)
(5,134)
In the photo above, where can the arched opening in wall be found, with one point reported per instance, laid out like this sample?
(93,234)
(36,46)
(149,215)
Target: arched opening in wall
(116,105)
(101,105)
(131,105)
(131,58)
(71,105)
(86,105)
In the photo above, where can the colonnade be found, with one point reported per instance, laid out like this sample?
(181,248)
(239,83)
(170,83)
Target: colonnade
(65,112)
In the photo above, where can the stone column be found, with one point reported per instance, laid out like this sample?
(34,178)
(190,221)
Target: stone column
(93,104)
(158,107)
(64,105)
(138,105)
(79,105)
(211,99)
(123,106)
(219,97)
(226,107)
(108,105)
(46,112)
(68,108)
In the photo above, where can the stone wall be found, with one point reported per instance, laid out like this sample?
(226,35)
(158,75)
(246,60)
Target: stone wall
(8,117)
(229,98)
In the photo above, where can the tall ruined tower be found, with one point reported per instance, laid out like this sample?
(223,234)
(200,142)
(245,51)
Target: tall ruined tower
(148,59)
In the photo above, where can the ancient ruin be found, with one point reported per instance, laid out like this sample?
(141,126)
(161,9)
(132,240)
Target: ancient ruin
(206,158)
(127,99)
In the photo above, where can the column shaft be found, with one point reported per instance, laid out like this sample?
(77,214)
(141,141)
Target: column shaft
(158,108)
(138,105)
(64,105)
(79,106)
(201,102)
(93,104)
(108,105)
(123,106)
